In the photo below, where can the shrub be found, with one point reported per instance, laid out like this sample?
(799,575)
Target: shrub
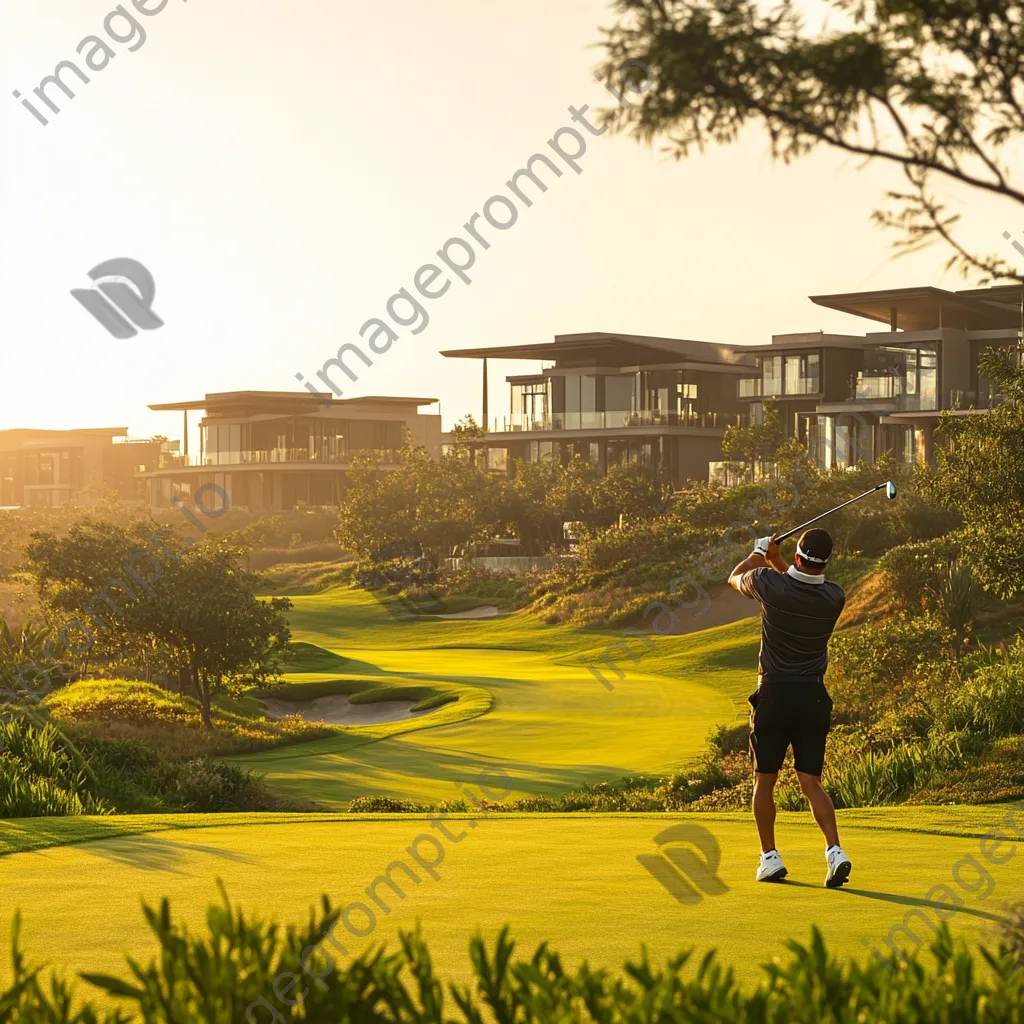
(219,975)
(991,701)
(384,805)
(911,570)
(205,786)
(877,660)
(40,774)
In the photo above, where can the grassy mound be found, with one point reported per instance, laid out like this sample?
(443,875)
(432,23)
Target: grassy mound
(170,723)
(44,773)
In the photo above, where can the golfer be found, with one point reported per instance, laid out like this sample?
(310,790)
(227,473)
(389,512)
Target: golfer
(791,707)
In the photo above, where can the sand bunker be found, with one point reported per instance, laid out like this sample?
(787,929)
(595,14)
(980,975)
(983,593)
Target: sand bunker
(488,611)
(337,709)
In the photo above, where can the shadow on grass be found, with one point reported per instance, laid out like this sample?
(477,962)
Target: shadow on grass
(151,853)
(905,901)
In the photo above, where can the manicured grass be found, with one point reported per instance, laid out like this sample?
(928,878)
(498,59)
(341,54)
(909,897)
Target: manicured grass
(546,875)
(527,706)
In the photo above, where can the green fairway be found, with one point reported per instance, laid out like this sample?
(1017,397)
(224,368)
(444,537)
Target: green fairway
(546,875)
(527,707)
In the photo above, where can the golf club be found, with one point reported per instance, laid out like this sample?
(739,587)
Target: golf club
(890,493)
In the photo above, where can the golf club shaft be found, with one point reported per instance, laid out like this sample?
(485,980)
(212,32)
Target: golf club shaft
(803,526)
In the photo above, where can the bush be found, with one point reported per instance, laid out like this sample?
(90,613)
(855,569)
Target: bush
(877,660)
(205,786)
(991,701)
(41,774)
(237,962)
(911,570)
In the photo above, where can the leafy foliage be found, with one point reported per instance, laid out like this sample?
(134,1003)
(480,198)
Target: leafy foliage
(243,966)
(933,89)
(122,594)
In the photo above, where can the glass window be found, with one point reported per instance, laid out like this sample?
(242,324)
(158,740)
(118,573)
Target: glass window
(497,460)
(802,374)
(771,376)
(589,415)
(619,398)
(572,403)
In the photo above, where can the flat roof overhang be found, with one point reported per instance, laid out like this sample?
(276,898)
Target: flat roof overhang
(282,402)
(897,418)
(921,309)
(801,347)
(28,435)
(610,350)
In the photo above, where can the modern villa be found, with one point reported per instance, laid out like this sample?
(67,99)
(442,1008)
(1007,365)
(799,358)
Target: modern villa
(613,398)
(666,402)
(856,396)
(280,450)
(51,468)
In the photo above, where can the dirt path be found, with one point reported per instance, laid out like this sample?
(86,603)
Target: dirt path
(337,709)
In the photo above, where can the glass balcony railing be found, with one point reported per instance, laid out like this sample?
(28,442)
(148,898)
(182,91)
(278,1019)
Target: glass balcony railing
(620,420)
(868,389)
(756,387)
(268,457)
(803,385)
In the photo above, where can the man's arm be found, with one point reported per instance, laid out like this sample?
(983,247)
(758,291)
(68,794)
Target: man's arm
(774,557)
(753,561)
(766,553)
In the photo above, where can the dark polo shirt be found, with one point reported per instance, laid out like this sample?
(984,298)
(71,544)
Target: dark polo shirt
(797,619)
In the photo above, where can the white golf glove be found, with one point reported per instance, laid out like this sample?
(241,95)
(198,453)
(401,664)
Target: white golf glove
(761,546)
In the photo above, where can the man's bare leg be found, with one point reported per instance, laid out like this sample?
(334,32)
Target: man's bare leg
(764,808)
(821,806)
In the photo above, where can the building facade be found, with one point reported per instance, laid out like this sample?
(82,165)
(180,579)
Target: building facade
(277,451)
(666,402)
(58,467)
(853,397)
(616,398)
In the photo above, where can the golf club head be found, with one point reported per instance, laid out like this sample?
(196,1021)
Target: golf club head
(890,490)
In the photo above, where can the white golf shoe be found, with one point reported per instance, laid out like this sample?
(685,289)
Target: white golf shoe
(838,867)
(771,868)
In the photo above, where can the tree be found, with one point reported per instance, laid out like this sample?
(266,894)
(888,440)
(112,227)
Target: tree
(210,623)
(759,444)
(936,89)
(133,598)
(979,474)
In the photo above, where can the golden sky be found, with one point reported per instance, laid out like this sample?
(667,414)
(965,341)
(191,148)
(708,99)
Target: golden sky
(284,168)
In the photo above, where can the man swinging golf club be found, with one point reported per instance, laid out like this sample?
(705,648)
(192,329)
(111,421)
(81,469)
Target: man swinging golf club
(799,610)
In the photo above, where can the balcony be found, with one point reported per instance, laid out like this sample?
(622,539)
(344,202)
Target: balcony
(619,421)
(273,456)
(875,389)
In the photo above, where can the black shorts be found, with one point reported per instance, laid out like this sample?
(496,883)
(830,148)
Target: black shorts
(784,713)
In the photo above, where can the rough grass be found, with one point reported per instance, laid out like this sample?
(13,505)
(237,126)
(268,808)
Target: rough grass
(118,709)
